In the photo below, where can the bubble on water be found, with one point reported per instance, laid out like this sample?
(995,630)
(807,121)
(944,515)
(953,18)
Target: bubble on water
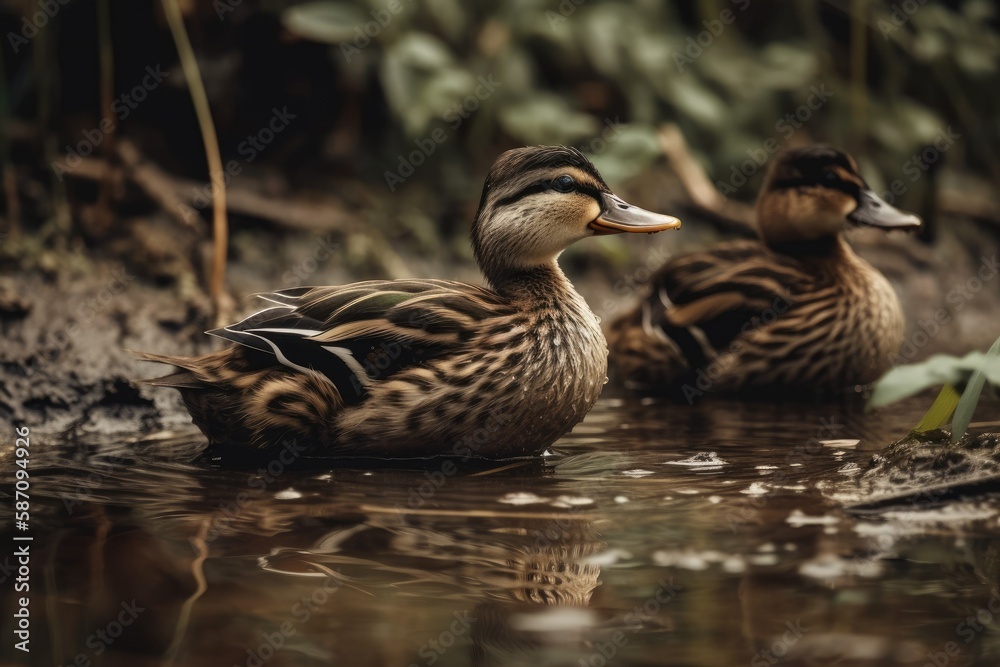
(287,494)
(830,566)
(572,501)
(686,560)
(522,498)
(798,518)
(621,500)
(637,472)
(734,564)
(763,559)
(757,489)
(609,557)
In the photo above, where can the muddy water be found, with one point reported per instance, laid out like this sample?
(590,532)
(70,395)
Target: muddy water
(658,535)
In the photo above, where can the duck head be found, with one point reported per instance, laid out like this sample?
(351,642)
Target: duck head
(539,200)
(810,193)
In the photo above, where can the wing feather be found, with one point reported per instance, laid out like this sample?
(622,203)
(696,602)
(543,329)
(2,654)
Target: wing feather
(708,298)
(354,335)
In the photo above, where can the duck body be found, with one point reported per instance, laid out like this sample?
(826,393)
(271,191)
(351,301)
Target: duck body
(422,368)
(796,312)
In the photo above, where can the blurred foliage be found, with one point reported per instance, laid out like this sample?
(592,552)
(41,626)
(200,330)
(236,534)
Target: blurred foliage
(727,72)
(380,87)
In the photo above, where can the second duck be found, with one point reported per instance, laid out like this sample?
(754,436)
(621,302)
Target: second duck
(796,310)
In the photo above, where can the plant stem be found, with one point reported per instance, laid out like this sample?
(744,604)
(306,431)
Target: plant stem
(107,70)
(220,224)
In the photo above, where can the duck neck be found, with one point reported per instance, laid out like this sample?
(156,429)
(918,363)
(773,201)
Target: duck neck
(545,283)
(830,247)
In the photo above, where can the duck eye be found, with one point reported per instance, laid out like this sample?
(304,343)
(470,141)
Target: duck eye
(564,183)
(830,177)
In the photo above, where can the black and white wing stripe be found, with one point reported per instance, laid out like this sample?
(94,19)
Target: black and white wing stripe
(354,335)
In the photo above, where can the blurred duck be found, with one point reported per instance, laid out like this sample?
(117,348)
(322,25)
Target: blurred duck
(796,310)
(417,368)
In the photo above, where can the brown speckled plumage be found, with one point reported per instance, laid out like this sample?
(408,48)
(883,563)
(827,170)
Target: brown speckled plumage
(415,368)
(796,310)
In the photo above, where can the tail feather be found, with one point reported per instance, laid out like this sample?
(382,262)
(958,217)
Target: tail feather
(186,378)
(178,380)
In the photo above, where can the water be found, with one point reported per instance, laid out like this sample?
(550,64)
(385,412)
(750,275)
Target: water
(636,546)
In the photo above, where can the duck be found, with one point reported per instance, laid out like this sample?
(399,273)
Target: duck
(795,311)
(409,368)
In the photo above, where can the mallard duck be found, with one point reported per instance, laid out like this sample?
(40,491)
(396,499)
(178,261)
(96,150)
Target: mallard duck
(796,310)
(416,368)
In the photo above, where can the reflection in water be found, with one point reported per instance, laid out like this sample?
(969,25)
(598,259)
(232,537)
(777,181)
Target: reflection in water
(608,554)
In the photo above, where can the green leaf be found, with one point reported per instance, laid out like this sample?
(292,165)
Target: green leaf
(941,412)
(449,15)
(546,119)
(326,22)
(970,397)
(629,151)
(420,80)
(904,381)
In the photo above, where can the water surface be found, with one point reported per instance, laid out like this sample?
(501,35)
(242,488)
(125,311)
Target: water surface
(660,535)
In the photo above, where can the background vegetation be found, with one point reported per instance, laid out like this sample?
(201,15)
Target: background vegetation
(371,123)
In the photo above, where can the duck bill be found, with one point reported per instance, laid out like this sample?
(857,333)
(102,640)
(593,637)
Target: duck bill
(873,211)
(618,217)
